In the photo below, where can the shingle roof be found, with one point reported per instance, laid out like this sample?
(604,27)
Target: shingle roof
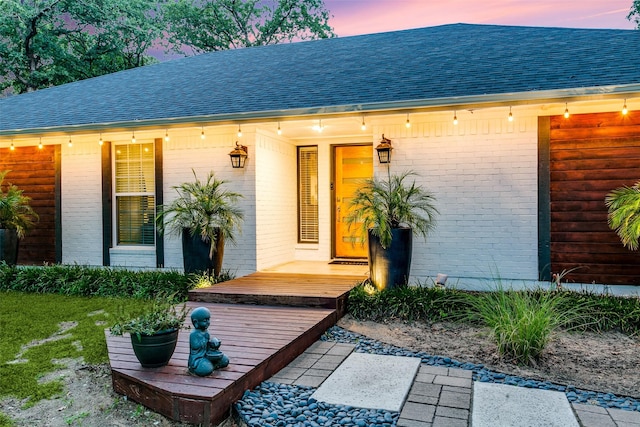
(449,61)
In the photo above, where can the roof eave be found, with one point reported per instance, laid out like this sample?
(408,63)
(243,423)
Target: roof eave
(408,106)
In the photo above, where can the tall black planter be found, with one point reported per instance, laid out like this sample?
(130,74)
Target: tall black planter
(195,253)
(9,244)
(390,267)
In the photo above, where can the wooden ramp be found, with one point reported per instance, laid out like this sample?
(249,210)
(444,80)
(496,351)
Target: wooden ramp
(259,340)
(269,288)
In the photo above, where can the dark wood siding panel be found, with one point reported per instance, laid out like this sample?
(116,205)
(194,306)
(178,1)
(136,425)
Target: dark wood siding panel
(590,155)
(34,171)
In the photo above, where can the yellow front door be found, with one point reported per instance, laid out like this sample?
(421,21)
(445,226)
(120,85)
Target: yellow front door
(353,165)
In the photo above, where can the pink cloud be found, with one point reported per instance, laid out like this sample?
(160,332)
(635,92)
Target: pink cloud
(371,16)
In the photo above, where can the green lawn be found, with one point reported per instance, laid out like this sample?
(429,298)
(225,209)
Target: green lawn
(26,319)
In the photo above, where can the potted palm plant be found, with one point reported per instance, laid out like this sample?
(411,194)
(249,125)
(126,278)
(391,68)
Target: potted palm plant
(389,212)
(154,332)
(206,216)
(17,217)
(624,214)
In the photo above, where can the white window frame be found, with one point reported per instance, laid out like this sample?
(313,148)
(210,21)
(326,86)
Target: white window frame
(149,192)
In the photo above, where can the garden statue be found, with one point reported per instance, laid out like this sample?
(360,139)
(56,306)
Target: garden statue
(204,353)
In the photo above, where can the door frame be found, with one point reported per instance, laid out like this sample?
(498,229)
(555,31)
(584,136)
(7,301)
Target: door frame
(332,188)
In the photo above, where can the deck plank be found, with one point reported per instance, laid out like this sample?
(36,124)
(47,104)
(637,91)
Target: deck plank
(255,355)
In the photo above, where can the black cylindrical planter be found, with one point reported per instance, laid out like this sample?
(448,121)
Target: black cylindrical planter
(195,253)
(390,267)
(9,244)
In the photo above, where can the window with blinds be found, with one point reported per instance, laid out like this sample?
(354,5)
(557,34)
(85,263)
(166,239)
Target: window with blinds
(135,206)
(308,194)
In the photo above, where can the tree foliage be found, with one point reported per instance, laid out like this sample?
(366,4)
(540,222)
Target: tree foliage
(212,25)
(634,13)
(50,42)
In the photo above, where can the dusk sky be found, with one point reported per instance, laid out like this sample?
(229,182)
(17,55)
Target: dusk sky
(352,17)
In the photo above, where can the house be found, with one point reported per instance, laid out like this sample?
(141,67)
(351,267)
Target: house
(478,111)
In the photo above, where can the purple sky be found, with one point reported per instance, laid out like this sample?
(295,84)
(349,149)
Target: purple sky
(352,17)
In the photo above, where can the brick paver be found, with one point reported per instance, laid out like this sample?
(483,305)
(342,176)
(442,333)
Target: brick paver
(597,416)
(439,396)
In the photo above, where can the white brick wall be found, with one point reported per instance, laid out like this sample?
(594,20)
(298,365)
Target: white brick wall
(81,203)
(186,151)
(483,173)
(276,202)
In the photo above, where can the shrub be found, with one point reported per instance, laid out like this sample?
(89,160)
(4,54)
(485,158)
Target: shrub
(606,312)
(95,281)
(410,303)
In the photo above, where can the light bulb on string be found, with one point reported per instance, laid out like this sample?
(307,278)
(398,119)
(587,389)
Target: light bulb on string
(100,141)
(166,135)
(133,137)
(12,147)
(408,123)
(510,115)
(202,135)
(624,108)
(70,144)
(455,118)
(239,132)
(279,130)
(363,126)
(40,143)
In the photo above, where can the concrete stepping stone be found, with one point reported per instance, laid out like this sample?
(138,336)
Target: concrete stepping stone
(370,381)
(510,406)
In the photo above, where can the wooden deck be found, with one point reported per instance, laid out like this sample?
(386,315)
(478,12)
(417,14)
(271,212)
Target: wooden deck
(260,340)
(297,290)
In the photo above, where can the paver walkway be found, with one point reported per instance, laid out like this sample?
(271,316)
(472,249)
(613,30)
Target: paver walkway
(439,397)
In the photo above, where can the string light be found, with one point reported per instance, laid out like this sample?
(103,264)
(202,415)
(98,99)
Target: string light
(510,115)
(455,118)
(408,123)
(40,144)
(364,126)
(202,135)
(279,130)
(239,132)
(624,108)
(566,111)
(166,135)
(319,127)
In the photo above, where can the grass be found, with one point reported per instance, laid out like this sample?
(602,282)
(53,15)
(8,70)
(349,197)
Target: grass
(522,322)
(5,421)
(29,318)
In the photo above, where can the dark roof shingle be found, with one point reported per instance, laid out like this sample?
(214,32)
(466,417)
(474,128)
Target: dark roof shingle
(458,60)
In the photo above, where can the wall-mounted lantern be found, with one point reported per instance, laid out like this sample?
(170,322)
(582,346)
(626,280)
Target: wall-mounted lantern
(384,150)
(238,156)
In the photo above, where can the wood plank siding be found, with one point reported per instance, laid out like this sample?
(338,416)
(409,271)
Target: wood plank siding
(35,171)
(590,155)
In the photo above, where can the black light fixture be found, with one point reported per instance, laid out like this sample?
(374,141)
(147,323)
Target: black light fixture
(238,156)
(384,150)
